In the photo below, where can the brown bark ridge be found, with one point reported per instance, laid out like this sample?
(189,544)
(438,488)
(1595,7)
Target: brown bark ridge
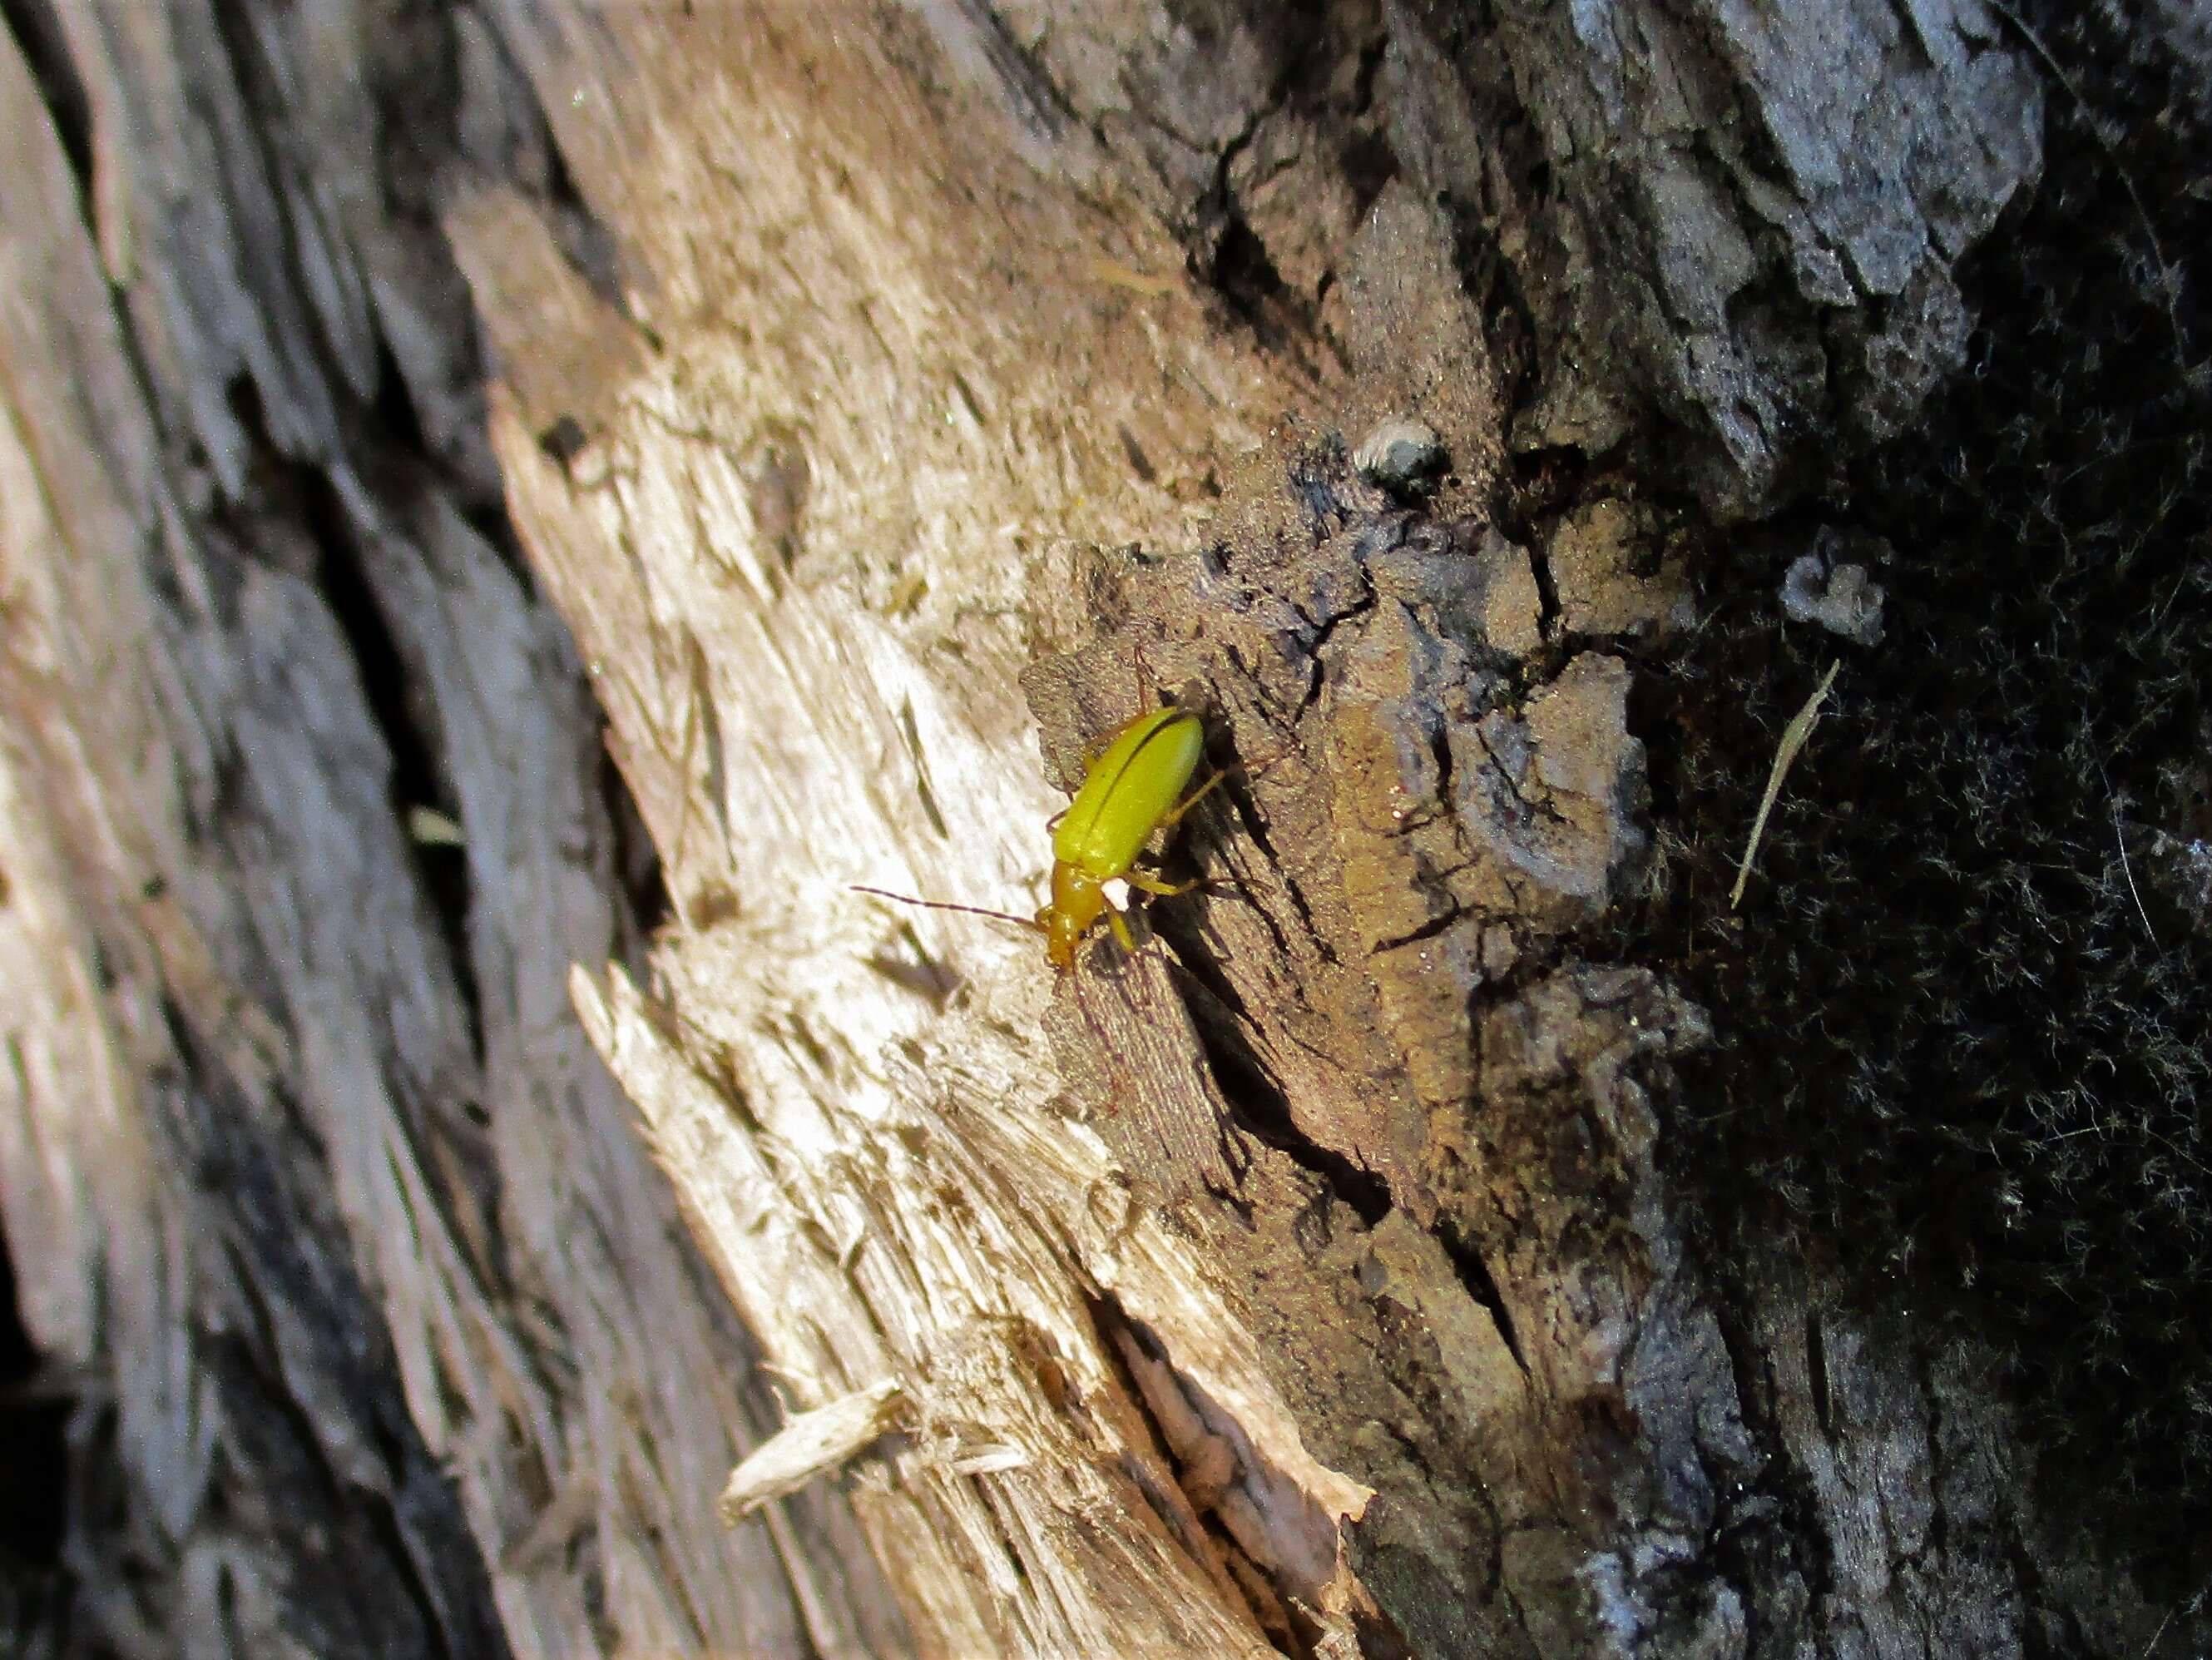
(509,512)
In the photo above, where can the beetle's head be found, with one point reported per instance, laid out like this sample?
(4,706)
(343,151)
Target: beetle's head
(1077,902)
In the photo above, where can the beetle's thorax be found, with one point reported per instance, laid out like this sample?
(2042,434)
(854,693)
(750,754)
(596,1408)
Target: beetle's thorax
(1077,900)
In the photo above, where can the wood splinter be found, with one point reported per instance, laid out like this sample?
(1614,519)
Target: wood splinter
(813,1444)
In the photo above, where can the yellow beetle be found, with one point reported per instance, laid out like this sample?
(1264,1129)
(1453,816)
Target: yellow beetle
(1132,791)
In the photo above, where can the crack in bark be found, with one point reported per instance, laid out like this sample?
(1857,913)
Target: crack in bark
(1256,1096)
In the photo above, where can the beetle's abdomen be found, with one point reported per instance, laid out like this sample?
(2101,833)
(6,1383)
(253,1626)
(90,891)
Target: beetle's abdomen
(1137,782)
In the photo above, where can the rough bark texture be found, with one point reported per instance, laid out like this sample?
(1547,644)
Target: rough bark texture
(508,512)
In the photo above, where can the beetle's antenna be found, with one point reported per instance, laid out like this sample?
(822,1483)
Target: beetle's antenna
(1029,923)
(1148,687)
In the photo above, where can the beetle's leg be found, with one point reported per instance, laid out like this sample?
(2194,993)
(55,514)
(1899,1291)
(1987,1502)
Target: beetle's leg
(1158,888)
(1053,823)
(1120,924)
(1191,800)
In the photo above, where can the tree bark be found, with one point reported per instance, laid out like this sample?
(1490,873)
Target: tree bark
(509,514)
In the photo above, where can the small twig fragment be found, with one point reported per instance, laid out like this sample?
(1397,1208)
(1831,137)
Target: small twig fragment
(811,1444)
(1792,739)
